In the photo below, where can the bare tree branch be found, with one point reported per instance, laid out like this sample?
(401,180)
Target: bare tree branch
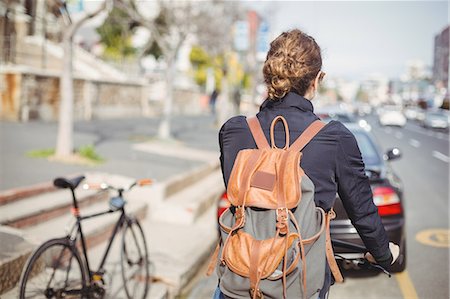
(72,29)
(130,7)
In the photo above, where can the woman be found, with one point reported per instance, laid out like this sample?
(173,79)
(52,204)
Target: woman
(332,160)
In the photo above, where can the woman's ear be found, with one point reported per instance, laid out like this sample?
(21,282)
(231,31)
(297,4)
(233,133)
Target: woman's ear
(316,81)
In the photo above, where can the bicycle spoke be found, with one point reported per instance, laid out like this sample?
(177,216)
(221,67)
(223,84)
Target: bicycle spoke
(53,272)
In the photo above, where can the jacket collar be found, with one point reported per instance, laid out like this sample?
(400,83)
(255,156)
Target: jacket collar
(291,99)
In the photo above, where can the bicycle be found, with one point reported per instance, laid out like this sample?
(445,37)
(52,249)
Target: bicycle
(56,269)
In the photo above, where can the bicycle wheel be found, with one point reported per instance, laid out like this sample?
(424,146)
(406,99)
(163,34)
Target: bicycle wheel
(54,270)
(134,261)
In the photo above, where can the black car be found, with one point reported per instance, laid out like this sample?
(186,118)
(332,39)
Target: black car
(387,196)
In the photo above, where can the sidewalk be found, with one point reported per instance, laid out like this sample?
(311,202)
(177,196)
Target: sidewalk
(114,140)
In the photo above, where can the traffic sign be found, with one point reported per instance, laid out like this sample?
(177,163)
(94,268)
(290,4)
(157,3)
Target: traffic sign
(241,36)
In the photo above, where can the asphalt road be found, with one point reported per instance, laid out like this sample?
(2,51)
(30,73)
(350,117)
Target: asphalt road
(424,170)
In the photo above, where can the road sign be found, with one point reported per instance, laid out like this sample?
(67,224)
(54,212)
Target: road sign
(75,6)
(241,36)
(263,42)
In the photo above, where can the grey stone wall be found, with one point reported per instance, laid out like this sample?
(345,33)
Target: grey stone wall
(26,96)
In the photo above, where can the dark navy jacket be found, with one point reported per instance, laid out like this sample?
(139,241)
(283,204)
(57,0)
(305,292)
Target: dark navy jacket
(332,160)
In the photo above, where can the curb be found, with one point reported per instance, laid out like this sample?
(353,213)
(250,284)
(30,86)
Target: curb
(180,181)
(11,195)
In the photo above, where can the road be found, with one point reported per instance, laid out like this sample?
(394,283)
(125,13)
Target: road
(424,170)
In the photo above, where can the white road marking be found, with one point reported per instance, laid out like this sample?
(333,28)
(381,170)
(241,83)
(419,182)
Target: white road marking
(440,156)
(417,129)
(414,143)
(399,135)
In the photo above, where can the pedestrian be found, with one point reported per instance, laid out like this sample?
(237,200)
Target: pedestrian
(213,100)
(332,160)
(237,100)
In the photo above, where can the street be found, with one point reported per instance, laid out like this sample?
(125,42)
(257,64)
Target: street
(424,170)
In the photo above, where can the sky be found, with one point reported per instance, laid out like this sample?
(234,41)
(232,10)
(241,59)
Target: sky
(359,38)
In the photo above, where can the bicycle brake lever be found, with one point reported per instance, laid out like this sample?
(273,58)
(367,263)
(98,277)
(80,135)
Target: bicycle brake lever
(382,269)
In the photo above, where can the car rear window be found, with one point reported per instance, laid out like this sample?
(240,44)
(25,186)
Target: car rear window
(368,150)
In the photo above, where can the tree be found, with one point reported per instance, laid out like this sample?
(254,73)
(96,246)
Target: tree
(115,33)
(169,30)
(174,23)
(216,36)
(64,142)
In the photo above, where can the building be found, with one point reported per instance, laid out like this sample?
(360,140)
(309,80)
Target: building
(440,61)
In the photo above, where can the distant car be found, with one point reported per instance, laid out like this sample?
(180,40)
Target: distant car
(364,109)
(387,195)
(391,116)
(436,120)
(412,112)
(339,115)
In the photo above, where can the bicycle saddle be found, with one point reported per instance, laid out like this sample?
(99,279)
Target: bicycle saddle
(68,183)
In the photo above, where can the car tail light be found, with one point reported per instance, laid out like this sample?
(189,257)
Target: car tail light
(224,204)
(387,201)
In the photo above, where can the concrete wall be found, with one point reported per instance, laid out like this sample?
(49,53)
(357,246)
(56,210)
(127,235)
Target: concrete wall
(28,96)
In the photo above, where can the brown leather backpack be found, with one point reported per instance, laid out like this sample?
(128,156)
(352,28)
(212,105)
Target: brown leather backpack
(275,240)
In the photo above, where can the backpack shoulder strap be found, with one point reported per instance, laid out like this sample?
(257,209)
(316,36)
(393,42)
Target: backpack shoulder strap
(307,135)
(257,132)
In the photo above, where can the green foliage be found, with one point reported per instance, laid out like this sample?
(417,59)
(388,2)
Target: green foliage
(246,81)
(200,75)
(42,153)
(199,58)
(201,62)
(115,34)
(88,152)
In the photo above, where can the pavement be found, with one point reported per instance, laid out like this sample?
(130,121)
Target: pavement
(182,168)
(114,140)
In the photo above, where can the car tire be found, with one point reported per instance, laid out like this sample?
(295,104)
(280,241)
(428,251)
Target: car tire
(400,263)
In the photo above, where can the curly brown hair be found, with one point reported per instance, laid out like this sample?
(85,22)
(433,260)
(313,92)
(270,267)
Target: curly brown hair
(293,62)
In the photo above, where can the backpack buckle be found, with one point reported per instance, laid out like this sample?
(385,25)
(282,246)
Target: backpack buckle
(282,220)
(282,214)
(239,213)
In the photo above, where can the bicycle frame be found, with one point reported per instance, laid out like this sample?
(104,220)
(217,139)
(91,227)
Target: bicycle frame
(73,236)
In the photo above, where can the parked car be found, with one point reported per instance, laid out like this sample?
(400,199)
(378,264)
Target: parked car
(387,192)
(391,116)
(387,195)
(435,119)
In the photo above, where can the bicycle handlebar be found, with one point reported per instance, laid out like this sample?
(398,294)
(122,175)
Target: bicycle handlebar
(105,186)
(358,262)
